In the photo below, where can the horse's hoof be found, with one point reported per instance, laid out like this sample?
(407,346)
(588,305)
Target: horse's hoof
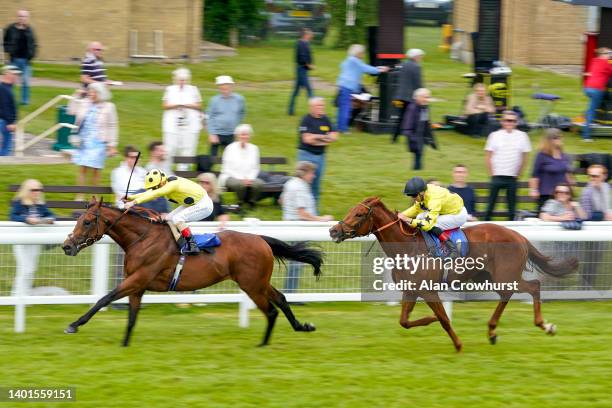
(308,327)
(262,345)
(458,347)
(550,329)
(70,330)
(493,339)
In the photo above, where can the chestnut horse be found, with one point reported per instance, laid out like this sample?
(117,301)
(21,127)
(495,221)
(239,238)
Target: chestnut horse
(505,251)
(151,256)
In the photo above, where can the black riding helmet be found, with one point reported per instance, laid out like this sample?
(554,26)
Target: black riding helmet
(414,186)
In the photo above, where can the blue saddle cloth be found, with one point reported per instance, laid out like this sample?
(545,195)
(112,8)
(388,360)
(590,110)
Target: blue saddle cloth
(436,249)
(206,240)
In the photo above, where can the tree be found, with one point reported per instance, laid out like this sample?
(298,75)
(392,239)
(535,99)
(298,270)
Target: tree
(223,16)
(340,35)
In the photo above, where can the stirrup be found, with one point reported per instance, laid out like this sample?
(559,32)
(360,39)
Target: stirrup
(190,248)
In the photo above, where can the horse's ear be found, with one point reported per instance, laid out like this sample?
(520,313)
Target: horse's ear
(101,200)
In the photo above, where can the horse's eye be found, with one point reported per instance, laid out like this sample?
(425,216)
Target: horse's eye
(86,222)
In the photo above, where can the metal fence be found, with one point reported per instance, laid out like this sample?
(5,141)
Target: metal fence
(34,269)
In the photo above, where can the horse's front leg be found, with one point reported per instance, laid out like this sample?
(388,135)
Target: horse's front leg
(131,284)
(408,303)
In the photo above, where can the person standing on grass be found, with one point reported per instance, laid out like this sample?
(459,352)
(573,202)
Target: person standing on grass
(299,205)
(182,119)
(595,87)
(551,167)
(416,126)
(315,134)
(303,61)
(20,44)
(8,108)
(349,82)
(225,112)
(410,79)
(96,119)
(507,151)
(92,65)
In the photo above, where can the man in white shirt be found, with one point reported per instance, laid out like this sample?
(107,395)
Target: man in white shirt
(240,167)
(507,151)
(120,175)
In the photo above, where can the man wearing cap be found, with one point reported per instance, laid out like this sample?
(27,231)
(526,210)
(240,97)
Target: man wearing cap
(8,109)
(225,111)
(20,44)
(410,79)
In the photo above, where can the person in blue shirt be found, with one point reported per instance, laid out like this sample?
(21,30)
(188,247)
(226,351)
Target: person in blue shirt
(349,82)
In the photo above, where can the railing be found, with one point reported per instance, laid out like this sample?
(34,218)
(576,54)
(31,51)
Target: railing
(39,262)
(20,144)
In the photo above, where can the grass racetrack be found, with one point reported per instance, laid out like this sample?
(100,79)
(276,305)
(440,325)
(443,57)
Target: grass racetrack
(358,357)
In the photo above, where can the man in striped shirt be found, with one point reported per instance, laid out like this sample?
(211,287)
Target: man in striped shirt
(92,66)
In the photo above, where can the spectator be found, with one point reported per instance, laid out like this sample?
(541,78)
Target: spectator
(595,87)
(158,158)
(29,207)
(299,205)
(550,168)
(595,198)
(92,65)
(225,112)
(478,109)
(467,193)
(182,120)
(96,118)
(410,79)
(506,155)
(208,181)
(20,44)
(316,133)
(8,109)
(303,61)
(240,167)
(121,175)
(561,207)
(349,82)
(417,127)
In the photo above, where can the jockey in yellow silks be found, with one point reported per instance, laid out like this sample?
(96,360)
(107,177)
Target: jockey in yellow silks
(435,209)
(194,203)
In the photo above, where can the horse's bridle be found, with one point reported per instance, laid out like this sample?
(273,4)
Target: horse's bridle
(352,232)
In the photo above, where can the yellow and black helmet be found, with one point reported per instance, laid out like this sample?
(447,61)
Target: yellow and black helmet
(154,178)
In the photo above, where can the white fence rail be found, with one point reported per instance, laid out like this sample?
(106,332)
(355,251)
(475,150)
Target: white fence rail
(34,270)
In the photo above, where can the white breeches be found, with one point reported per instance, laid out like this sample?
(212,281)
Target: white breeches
(182,143)
(26,257)
(448,221)
(196,212)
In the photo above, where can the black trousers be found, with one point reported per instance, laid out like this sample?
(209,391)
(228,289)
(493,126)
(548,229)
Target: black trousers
(507,183)
(224,140)
(398,129)
(478,124)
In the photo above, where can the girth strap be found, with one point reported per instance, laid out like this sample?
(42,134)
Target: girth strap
(177,273)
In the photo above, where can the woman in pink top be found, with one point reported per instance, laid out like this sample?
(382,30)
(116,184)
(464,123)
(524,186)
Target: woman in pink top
(596,85)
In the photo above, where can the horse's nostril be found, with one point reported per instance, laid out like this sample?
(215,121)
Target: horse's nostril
(66,248)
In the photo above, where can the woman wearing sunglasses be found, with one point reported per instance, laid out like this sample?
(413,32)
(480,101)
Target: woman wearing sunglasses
(561,207)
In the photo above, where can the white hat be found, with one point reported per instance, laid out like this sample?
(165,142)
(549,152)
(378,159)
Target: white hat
(414,52)
(11,68)
(224,79)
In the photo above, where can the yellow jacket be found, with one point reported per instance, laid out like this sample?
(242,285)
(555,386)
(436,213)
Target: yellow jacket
(437,201)
(178,190)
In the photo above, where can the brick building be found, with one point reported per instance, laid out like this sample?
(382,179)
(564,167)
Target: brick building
(533,32)
(129,29)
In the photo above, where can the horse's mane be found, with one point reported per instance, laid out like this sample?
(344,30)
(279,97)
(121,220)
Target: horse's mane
(376,201)
(145,213)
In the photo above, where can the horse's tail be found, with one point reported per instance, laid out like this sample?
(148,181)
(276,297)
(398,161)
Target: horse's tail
(554,268)
(299,252)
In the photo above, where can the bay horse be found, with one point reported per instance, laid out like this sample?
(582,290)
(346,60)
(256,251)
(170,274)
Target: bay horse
(505,251)
(151,256)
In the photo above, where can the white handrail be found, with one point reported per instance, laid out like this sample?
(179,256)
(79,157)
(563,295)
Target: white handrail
(20,145)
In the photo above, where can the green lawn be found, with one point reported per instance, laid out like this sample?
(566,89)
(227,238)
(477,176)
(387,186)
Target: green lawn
(359,164)
(358,357)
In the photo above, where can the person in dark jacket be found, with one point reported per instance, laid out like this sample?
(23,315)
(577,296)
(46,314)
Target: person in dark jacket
(303,61)
(20,44)
(410,79)
(8,110)
(466,192)
(416,126)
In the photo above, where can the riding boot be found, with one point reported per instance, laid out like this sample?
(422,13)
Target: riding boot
(451,248)
(190,247)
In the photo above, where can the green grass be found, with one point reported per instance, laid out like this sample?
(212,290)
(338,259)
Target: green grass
(359,164)
(358,357)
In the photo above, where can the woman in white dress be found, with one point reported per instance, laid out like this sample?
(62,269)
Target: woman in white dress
(182,120)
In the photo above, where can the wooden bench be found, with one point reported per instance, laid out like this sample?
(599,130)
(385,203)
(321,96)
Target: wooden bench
(482,197)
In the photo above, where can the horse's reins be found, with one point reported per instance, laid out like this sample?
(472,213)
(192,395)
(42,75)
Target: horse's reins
(352,232)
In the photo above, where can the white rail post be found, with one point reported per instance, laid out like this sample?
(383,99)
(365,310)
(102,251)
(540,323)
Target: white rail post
(99,284)
(244,306)
(448,308)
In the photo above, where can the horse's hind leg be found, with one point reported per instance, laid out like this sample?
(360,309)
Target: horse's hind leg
(533,288)
(277,298)
(408,304)
(268,310)
(505,297)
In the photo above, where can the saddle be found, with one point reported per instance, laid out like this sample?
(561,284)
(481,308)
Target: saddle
(435,248)
(206,242)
